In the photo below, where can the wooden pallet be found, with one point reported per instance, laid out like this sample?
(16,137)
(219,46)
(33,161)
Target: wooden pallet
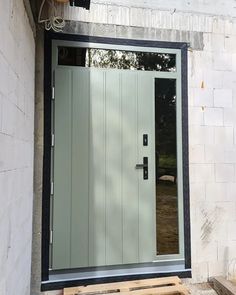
(223,286)
(160,286)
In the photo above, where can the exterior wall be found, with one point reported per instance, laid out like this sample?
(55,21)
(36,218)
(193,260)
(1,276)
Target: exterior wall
(212,107)
(218,7)
(16,147)
(211,31)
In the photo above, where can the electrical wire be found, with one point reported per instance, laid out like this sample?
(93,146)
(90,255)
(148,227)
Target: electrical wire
(56,23)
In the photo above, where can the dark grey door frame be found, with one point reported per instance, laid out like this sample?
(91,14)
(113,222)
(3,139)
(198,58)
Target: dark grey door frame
(49,36)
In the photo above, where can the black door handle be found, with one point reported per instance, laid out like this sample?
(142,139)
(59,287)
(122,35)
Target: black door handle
(143,166)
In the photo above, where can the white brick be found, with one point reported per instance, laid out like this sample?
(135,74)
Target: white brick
(231,192)
(232,231)
(227,211)
(220,231)
(229,117)
(201,173)
(213,117)
(207,41)
(196,154)
(214,154)
(228,26)
(218,41)
(197,193)
(96,14)
(223,98)
(207,252)
(230,43)
(200,272)
(224,135)
(222,61)
(218,26)
(234,135)
(203,97)
(195,116)
(234,62)
(118,15)
(224,172)
(201,135)
(217,268)
(227,253)
(230,155)
(140,17)
(185,22)
(213,79)
(228,80)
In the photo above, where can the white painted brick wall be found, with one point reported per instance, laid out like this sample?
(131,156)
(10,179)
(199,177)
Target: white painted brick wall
(223,98)
(16,147)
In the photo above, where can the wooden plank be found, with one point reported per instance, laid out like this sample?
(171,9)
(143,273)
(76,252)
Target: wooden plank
(176,289)
(125,286)
(160,291)
(223,286)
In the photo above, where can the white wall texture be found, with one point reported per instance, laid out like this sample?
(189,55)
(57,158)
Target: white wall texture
(212,111)
(16,147)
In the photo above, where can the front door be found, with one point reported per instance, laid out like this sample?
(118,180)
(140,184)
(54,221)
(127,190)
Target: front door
(104,206)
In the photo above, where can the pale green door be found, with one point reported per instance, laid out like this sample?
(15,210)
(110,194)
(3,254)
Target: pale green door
(103,209)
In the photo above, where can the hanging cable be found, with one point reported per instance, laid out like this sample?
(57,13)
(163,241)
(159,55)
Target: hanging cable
(56,23)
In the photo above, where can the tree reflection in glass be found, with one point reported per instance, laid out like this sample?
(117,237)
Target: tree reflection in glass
(116,59)
(166,167)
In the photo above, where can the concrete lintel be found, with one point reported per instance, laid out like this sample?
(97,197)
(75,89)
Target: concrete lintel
(140,33)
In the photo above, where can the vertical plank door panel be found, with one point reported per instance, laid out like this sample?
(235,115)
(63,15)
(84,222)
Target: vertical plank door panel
(129,174)
(147,203)
(113,169)
(97,173)
(62,171)
(80,166)
(104,211)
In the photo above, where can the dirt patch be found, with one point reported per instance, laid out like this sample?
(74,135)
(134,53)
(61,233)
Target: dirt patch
(167,218)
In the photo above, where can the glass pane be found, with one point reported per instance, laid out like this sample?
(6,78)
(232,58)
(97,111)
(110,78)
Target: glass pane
(166,167)
(116,59)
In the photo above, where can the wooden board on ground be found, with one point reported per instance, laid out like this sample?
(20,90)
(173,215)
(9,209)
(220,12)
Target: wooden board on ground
(160,286)
(223,286)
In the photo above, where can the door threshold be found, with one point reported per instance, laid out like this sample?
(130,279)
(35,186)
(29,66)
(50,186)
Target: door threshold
(57,282)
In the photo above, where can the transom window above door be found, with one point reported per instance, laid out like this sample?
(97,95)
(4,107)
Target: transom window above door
(116,59)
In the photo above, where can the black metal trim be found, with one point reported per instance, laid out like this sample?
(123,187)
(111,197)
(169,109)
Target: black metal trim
(50,286)
(117,41)
(46,158)
(187,230)
(49,36)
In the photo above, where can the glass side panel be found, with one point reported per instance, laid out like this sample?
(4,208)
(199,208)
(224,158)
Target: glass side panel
(116,59)
(166,167)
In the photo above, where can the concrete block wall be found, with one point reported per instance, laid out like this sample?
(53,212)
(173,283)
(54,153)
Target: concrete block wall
(16,147)
(211,30)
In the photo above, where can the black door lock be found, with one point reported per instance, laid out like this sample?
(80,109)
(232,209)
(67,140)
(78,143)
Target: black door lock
(143,166)
(145,140)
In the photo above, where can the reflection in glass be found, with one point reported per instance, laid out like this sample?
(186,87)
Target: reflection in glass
(116,59)
(166,167)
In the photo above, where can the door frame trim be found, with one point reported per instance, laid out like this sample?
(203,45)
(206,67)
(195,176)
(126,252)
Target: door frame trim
(48,38)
